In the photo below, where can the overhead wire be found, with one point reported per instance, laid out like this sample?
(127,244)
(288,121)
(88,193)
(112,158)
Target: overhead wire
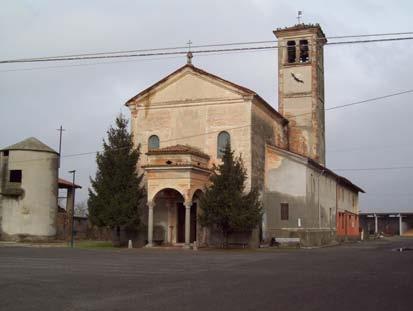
(165,52)
(214,45)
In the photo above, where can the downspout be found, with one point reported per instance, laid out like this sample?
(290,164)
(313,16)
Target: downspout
(318,195)
(337,215)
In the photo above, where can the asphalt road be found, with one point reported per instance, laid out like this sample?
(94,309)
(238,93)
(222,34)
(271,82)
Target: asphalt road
(362,276)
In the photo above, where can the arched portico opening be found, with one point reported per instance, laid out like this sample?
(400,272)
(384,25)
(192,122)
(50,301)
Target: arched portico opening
(168,217)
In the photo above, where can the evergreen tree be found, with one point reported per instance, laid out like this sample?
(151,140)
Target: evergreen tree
(224,204)
(116,196)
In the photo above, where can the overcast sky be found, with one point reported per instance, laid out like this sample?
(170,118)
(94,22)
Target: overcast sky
(86,99)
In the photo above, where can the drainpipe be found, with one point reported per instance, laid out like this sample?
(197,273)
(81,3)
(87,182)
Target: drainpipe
(318,195)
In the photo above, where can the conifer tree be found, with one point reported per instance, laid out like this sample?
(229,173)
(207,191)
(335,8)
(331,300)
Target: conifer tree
(224,204)
(116,196)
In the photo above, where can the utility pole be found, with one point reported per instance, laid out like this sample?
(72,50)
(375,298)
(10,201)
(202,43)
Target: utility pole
(61,129)
(73,172)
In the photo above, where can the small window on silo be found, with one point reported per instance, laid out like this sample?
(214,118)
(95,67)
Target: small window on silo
(6,153)
(15,176)
(291,53)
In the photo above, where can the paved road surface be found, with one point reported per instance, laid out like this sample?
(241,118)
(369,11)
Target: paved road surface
(362,276)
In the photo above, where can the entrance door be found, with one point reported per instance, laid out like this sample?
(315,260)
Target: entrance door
(180,223)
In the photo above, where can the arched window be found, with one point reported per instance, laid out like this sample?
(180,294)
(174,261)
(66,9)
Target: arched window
(304,56)
(291,52)
(153,142)
(223,140)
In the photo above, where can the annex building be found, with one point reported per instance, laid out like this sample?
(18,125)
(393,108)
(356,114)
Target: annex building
(184,121)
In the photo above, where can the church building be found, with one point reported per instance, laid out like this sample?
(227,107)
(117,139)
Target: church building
(184,121)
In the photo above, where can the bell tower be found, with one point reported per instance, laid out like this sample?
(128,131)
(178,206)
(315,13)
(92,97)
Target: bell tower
(301,88)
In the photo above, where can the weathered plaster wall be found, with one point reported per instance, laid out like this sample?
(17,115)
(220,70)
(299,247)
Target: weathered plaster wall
(266,128)
(32,214)
(311,197)
(285,182)
(321,198)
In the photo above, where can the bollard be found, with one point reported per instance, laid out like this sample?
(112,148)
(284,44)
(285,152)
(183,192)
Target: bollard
(130,244)
(195,246)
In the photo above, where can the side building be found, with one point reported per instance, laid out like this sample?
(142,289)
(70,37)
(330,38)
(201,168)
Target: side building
(28,191)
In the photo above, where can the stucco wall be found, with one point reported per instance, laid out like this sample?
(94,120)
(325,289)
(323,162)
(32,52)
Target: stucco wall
(321,198)
(32,214)
(266,128)
(285,182)
(310,194)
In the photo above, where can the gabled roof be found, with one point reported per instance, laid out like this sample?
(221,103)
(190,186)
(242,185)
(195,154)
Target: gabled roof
(31,144)
(179,149)
(243,89)
(340,179)
(279,32)
(65,184)
(306,160)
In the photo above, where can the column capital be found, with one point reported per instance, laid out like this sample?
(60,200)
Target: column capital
(150,204)
(188,204)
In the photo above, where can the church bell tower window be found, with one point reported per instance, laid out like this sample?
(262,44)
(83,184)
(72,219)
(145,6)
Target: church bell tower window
(291,52)
(304,56)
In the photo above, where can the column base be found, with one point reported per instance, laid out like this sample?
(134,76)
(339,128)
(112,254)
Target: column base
(149,245)
(186,246)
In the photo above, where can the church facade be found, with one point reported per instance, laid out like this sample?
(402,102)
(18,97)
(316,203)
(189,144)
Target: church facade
(183,122)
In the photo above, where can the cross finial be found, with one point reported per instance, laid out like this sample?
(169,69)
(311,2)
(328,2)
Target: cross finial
(189,55)
(299,15)
(189,45)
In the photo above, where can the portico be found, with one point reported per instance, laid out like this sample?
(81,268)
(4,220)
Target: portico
(176,177)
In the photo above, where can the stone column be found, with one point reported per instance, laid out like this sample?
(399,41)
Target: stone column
(400,225)
(150,224)
(187,223)
(376,224)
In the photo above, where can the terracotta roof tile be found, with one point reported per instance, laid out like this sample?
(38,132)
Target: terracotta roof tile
(179,149)
(65,184)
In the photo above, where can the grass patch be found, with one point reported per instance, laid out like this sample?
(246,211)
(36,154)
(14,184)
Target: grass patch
(94,244)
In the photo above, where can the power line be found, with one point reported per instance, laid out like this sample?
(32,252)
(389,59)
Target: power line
(374,168)
(122,61)
(213,45)
(356,103)
(364,148)
(164,53)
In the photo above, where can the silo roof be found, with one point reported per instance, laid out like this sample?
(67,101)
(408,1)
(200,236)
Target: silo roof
(32,144)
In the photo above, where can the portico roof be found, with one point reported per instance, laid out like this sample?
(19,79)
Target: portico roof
(179,149)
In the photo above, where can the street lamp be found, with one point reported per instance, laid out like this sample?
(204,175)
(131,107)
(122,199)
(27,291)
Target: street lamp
(73,172)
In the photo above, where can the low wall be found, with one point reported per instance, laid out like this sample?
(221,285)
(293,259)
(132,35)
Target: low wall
(308,237)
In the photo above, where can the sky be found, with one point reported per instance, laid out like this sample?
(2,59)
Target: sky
(35,99)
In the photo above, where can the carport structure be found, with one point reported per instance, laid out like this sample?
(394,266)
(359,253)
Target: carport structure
(397,223)
(176,177)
